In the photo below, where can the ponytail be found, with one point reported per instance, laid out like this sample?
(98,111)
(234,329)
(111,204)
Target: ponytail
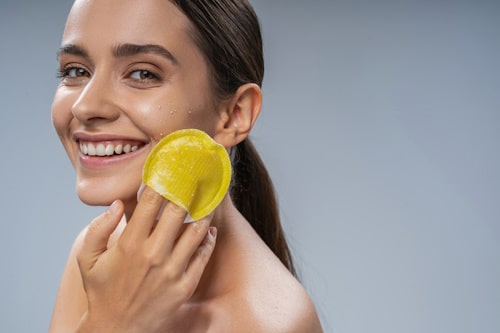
(228,34)
(253,194)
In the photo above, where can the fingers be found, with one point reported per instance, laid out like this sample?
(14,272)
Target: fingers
(143,220)
(167,230)
(189,241)
(97,236)
(182,245)
(200,258)
(169,241)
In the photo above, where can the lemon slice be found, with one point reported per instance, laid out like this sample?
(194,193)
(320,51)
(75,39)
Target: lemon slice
(190,169)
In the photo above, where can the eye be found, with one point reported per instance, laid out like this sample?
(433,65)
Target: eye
(73,73)
(143,75)
(77,72)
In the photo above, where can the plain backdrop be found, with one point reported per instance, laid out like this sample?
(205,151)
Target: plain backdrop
(380,128)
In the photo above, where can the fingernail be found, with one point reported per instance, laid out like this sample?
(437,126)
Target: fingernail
(113,209)
(212,231)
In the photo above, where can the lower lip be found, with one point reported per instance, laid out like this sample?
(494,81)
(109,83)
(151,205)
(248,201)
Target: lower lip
(100,162)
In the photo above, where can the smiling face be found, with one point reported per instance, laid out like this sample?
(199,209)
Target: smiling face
(130,74)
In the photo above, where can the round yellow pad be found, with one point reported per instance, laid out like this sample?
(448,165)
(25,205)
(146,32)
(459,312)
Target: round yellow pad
(190,169)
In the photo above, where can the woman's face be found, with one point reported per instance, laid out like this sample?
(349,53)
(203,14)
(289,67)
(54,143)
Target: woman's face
(130,74)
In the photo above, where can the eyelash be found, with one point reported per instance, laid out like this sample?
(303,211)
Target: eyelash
(154,77)
(64,74)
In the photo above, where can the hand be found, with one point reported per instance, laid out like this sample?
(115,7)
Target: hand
(137,284)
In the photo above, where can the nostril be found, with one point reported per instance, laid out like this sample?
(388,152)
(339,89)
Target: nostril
(94,115)
(96,102)
(95,119)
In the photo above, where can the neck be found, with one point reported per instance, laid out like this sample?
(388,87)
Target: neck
(216,279)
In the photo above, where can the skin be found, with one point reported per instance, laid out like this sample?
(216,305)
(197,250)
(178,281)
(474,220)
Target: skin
(128,272)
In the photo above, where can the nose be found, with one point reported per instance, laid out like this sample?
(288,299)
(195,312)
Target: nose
(95,102)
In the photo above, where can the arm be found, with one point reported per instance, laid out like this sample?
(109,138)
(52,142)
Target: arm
(71,301)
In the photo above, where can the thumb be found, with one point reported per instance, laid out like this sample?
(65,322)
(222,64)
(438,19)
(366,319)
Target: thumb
(97,236)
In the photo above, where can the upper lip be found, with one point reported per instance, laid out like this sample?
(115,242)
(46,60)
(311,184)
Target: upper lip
(103,137)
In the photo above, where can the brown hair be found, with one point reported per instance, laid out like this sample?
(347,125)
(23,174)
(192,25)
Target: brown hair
(228,33)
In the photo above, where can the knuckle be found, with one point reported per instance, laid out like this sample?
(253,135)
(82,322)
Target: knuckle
(150,197)
(186,287)
(126,248)
(199,227)
(206,249)
(152,258)
(171,272)
(175,211)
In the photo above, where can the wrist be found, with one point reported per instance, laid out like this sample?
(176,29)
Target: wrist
(88,324)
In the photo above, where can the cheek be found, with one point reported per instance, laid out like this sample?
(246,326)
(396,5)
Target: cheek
(162,115)
(156,116)
(61,119)
(61,112)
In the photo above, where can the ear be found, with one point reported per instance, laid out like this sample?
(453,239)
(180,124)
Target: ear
(238,115)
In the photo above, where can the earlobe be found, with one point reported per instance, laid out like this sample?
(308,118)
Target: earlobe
(239,115)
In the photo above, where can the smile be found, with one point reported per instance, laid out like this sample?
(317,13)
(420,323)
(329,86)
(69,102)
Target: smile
(107,148)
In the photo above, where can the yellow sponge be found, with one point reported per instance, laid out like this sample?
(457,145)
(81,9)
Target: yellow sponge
(190,169)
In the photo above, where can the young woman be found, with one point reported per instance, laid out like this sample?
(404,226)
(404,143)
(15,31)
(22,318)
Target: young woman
(132,72)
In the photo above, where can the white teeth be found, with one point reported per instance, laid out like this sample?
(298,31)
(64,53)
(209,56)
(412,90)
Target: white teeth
(101,150)
(119,149)
(91,151)
(83,148)
(110,150)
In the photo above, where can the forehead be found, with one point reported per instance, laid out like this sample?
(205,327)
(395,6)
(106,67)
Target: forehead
(127,21)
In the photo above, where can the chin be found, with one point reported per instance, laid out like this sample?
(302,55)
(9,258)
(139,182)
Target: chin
(94,201)
(102,193)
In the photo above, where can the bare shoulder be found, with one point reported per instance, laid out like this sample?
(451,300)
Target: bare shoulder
(267,298)
(283,308)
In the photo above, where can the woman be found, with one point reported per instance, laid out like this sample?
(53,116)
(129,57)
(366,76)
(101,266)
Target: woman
(132,72)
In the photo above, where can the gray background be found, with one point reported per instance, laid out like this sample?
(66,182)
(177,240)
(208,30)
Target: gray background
(380,127)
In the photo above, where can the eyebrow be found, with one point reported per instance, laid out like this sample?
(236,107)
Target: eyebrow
(73,50)
(127,50)
(121,51)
